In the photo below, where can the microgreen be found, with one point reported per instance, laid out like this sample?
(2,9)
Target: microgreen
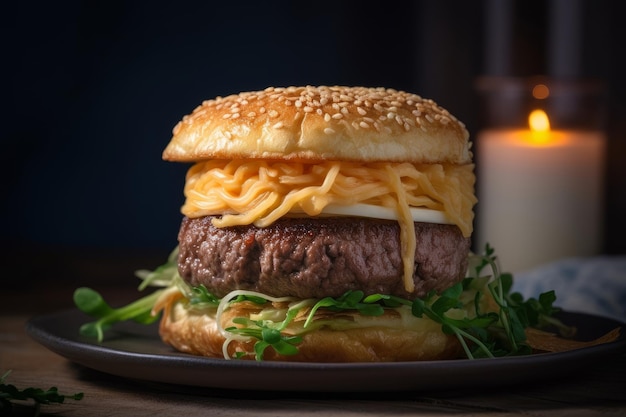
(163,275)
(350,300)
(10,393)
(539,313)
(268,334)
(435,308)
(200,297)
(465,329)
(91,302)
(481,333)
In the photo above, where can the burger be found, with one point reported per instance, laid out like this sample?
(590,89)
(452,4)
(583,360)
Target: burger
(331,224)
(302,202)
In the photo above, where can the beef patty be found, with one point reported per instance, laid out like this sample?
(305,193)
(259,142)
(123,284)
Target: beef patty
(318,257)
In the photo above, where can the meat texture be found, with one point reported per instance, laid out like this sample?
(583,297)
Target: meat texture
(319,257)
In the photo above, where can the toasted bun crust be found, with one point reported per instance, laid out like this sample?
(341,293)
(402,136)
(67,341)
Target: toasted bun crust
(321,123)
(198,334)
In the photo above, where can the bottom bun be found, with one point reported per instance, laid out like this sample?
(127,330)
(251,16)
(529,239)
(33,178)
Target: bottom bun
(347,338)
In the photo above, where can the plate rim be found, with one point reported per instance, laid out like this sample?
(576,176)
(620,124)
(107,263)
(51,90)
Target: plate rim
(192,370)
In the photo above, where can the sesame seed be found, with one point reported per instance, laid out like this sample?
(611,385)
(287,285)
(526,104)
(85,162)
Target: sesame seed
(377,108)
(329,131)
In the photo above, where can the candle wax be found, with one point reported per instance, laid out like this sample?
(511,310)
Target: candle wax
(539,201)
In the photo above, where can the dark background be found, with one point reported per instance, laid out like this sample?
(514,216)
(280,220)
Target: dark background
(93,89)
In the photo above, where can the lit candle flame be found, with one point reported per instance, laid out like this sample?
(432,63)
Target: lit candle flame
(539,126)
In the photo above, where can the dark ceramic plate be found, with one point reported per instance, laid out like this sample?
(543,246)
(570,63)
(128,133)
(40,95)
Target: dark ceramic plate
(135,351)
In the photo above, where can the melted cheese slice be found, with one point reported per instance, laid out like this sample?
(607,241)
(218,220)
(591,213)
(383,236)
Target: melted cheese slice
(260,192)
(418,214)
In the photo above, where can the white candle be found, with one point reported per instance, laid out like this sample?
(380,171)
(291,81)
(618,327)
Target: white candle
(540,195)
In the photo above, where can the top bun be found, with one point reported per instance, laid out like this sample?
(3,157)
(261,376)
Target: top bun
(321,123)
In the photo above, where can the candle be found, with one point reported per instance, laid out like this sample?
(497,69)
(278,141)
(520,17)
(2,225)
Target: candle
(540,193)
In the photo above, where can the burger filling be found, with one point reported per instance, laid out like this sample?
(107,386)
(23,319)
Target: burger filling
(258,192)
(319,257)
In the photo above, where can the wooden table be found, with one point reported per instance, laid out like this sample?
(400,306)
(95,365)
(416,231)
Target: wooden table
(600,391)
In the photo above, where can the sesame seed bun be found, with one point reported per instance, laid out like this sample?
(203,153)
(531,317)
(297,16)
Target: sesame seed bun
(321,123)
